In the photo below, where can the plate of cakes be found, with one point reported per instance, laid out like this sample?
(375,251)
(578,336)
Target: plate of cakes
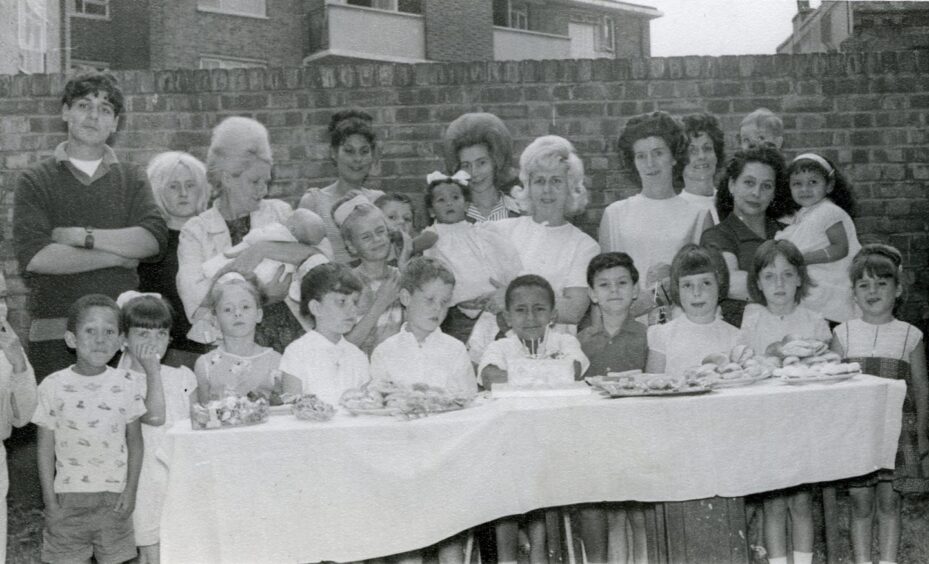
(386,398)
(635,383)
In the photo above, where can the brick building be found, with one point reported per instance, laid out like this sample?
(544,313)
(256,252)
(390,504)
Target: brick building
(858,26)
(168,34)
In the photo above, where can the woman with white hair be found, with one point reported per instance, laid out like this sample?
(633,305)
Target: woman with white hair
(181,191)
(239,170)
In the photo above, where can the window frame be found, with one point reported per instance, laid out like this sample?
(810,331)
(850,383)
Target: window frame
(521,12)
(83,14)
(246,62)
(220,8)
(606,34)
(31,13)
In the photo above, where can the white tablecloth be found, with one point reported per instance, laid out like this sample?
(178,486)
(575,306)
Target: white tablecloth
(360,487)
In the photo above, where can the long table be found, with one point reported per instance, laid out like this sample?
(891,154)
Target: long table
(360,487)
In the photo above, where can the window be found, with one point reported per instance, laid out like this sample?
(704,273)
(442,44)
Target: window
(32,36)
(605,34)
(519,16)
(254,8)
(406,6)
(80,65)
(92,8)
(213,62)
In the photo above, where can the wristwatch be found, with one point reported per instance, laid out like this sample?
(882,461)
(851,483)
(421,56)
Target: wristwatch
(89,238)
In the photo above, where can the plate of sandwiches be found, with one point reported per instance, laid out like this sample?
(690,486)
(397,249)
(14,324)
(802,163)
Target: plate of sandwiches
(822,373)
(635,383)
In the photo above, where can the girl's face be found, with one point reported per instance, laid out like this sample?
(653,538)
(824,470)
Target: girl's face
(779,282)
(699,296)
(399,216)
(157,338)
(353,159)
(548,192)
(370,240)
(753,190)
(476,161)
(237,312)
(448,203)
(181,193)
(701,164)
(809,187)
(243,193)
(335,314)
(653,160)
(876,296)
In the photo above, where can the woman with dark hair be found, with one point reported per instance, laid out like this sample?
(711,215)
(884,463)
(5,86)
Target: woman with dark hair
(750,196)
(704,158)
(352,147)
(481,145)
(655,223)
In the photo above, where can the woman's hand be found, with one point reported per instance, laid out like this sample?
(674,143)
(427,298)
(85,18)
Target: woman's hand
(276,290)
(244,261)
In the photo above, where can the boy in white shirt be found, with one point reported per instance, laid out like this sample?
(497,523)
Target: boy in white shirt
(323,362)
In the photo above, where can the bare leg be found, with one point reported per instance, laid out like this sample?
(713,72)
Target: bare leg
(535,523)
(451,551)
(618,545)
(862,520)
(150,554)
(775,526)
(888,520)
(594,531)
(507,531)
(639,538)
(801,518)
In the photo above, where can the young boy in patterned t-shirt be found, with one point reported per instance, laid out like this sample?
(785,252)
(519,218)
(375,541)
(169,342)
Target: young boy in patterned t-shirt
(90,443)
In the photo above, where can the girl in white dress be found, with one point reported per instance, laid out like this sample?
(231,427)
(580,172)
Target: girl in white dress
(889,348)
(699,279)
(146,322)
(778,281)
(824,232)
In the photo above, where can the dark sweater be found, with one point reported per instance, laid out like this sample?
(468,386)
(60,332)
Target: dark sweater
(49,195)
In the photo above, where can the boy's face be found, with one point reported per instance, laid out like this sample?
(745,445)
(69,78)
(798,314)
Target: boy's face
(448,203)
(750,135)
(699,296)
(96,339)
(157,338)
(426,306)
(370,240)
(91,119)
(237,312)
(613,290)
(530,312)
(335,313)
(399,216)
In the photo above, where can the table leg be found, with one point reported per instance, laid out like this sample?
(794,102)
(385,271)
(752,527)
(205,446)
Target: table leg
(706,530)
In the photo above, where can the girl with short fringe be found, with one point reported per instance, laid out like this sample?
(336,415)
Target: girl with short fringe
(824,232)
(889,348)
(146,321)
(699,279)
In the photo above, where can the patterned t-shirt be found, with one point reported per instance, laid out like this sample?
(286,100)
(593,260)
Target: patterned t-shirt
(88,415)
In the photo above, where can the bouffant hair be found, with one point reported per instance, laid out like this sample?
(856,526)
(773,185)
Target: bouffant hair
(551,152)
(656,124)
(485,129)
(353,121)
(237,142)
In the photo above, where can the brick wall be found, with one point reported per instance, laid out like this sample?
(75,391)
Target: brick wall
(459,30)
(869,112)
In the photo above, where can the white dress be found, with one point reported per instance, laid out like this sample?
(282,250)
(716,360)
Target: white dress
(684,343)
(650,231)
(707,203)
(325,368)
(832,295)
(760,327)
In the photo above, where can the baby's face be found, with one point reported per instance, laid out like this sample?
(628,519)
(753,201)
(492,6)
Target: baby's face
(448,203)
(750,135)
(307,227)
(399,216)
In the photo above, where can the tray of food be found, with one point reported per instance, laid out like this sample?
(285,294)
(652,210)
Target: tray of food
(386,398)
(647,385)
(741,367)
(231,411)
(827,373)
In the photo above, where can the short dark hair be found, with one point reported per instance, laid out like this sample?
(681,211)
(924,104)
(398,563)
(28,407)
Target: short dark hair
(694,259)
(94,82)
(430,189)
(325,279)
(528,281)
(353,121)
(695,124)
(656,124)
(765,255)
(768,155)
(606,261)
(79,309)
(147,312)
(423,270)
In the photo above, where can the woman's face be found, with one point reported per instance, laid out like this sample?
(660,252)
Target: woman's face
(181,193)
(701,163)
(476,161)
(753,190)
(653,161)
(548,192)
(353,159)
(243,193)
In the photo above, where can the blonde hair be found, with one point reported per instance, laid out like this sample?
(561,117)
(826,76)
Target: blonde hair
(162,167)
(551,151)
(234,146)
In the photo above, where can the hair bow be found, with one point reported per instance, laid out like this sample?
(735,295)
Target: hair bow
(130,295)
(461,178)
(816,159)
(345,209)
(304,269)
(230,277)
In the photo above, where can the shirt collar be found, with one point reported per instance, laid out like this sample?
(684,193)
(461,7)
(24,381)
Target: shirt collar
(744,233)
(405,331)
(109,159)
(626,328)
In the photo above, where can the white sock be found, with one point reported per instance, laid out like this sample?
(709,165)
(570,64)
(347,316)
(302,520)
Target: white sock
(506,562)
(778,560)
(887,562)
(803,557)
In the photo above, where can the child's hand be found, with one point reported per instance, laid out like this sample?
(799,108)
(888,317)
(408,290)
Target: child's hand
(387,293)
(11,347)
(148,355)
(52,510)
(657,273)
(125,504)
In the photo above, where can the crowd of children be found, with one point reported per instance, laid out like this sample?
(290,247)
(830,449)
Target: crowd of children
(405,311)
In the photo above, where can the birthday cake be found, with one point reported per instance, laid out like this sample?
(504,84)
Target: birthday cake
(540,372)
